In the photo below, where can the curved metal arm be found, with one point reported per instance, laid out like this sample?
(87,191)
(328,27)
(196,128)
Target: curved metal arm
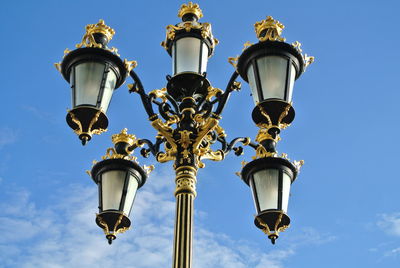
(154,149)
(224,98)
(238,150)
(164,108)
(145,98)
(174,103)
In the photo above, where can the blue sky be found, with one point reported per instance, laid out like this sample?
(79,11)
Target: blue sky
(344,205)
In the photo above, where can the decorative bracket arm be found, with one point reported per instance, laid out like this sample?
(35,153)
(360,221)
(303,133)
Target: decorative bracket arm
(232,85)
(146,100)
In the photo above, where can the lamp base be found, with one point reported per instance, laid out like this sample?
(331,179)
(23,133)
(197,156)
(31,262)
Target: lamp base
(273,112)
(86,121)
(187,85)
(112,223)
(272,222)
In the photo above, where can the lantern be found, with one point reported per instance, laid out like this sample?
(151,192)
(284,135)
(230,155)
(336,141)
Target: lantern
(271,66)
(94,72)
(270,179)
(117,180)
(190,44)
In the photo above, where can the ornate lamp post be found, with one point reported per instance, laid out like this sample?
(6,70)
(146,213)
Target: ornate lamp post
(187,123)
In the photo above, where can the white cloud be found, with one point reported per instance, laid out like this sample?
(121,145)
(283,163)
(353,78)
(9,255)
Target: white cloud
(310,236)
(7,136)
(64,234)
(390,223)
(393,253)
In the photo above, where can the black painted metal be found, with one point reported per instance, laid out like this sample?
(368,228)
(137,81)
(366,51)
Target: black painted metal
(271,48)
(268,163)
(91,54)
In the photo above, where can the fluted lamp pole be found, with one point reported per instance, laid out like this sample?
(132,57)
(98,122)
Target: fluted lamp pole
(187,122)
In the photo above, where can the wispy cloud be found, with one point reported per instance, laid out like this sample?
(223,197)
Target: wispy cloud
(40,114)
(7,136)
(64,234)
(390,223)
(310,236)
(393,253)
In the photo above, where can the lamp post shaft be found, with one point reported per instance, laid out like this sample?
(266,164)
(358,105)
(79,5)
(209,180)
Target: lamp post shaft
(185,194)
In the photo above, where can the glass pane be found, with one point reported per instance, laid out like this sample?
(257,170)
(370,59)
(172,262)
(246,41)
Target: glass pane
(130,195)
(187,55)
(204,58)
(173,58)
(108,90)
(112,183)
(71,81)
(285,191)
(88,78)
(252,84)
(272,72)
(266,186)
(292,77)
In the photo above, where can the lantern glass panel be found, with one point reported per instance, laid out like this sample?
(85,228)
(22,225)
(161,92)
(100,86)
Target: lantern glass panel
(108,90)
(272,72)
(252,83)
(189,54)
(285,191)
(112,185)
(130,194)
(265,187)
(204,58)
(87,83)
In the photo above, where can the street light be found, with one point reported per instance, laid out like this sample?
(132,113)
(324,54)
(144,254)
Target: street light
(118,177)
(187,124)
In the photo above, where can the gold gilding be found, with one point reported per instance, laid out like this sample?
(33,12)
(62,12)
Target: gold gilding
(159,93)
(123,136)
(111,153)
(269,29)
(88,39)
(275,232)
(212,92)
(170,147)
(261,152)
(189,26)
(307,59)
(190,8)
(90,131)
(129,65)
(114,231)
(233,61)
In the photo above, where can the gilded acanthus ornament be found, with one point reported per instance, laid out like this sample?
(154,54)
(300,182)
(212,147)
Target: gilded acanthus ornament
(90,132)
(276,230)
(269,29)
(212,92)
(190,8)
(107,230)
(88,39)
(159,93)
(123,136)
(129,65)
(188,26)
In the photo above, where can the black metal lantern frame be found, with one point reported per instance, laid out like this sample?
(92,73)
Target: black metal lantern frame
(92,90)
(189,71)
(187,122)
(262,50)
(273,219)
(118,192)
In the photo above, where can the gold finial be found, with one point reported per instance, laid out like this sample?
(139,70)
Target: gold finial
(269,29)
(129,65)
(190,8)
(100,27)
(124,137)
